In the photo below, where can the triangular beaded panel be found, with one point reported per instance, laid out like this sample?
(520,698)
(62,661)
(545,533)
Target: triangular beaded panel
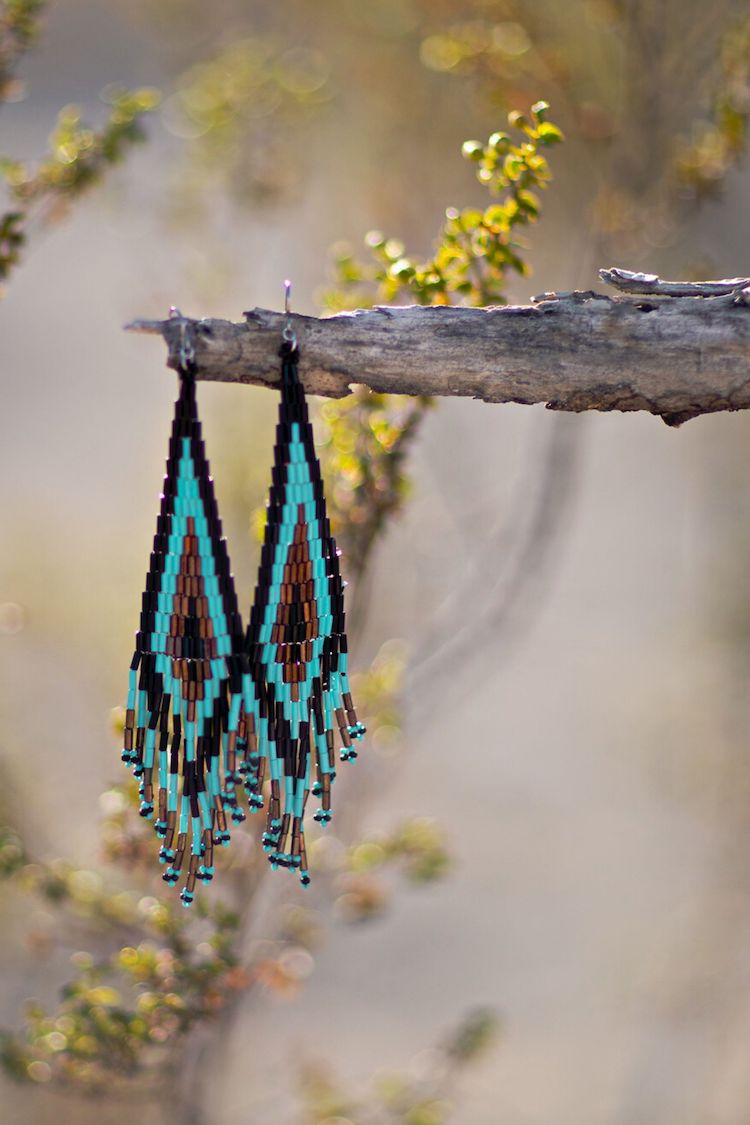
(186,724)
(296,640)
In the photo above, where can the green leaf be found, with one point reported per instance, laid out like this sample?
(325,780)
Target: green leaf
(472,150)
(549,134)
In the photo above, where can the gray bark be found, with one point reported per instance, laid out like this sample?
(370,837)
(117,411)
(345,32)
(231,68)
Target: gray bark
(675,349)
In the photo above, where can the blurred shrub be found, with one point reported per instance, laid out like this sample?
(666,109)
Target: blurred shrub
(79,155)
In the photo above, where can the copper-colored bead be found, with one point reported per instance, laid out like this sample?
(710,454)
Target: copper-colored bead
(249,725)
(343,732)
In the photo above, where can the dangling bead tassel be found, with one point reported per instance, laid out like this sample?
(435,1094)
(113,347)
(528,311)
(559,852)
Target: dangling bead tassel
(185,723)
(297,642)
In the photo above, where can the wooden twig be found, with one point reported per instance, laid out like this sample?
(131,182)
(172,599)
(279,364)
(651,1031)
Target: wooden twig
(675,349)
(649,283)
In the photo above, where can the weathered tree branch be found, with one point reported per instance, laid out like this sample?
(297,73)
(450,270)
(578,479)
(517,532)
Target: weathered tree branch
(675,349)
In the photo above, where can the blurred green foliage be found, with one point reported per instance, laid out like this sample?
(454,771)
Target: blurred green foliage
(420,1095)
(20,25)
(418,845)
(718,143)
(79,155)
(122,1017)
(365,446)
(652,93)
(241,115)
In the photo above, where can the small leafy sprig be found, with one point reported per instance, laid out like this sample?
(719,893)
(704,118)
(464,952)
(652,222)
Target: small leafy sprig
(79,156)
(119,1017)
(476,248)
(369,435)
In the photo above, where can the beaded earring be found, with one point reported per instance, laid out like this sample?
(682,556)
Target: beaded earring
(185,722)
(296,639)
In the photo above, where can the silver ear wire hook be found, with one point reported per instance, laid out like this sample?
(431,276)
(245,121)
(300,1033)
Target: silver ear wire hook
(289,335)
(185,350)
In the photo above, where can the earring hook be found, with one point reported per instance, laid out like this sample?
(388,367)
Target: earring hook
(186,345)
(289,335)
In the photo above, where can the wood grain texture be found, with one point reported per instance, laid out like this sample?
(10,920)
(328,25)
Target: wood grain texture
(675,356)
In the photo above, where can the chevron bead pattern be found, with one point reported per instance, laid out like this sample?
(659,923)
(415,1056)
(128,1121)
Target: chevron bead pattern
(296,642)
(187,734)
